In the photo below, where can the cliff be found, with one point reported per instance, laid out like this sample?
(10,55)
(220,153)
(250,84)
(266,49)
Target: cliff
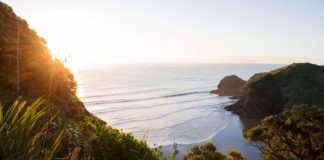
(272,92)
(230,86)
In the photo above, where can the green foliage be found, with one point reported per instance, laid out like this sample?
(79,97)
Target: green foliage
(301,83)
(294,134)
(21,133)
(95,140)
(273,92)
(234,155)
(40,74)
(109,143)
(23,129)
(208,152)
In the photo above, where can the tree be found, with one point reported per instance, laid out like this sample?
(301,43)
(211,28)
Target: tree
(294,134)
(207,151)
(234,155)
(38,73)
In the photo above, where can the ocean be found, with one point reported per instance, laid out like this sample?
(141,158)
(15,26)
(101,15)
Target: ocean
(165,104)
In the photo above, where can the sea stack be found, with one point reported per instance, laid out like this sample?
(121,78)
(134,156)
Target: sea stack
(230,86)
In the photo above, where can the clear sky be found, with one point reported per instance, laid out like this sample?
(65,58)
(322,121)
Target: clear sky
(199,31)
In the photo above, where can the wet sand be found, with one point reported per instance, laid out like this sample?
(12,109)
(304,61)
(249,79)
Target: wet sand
(230,138)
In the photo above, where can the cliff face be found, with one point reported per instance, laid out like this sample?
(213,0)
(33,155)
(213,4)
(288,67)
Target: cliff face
(272,92)
(230,86)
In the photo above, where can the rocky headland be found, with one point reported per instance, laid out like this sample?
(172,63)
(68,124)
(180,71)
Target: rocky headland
(272,92)
(230,86)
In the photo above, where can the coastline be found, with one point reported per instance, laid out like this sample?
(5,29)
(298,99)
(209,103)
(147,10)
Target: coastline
(229,138)
(185,79)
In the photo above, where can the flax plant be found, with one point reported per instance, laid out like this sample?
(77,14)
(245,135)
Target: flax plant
(21,132)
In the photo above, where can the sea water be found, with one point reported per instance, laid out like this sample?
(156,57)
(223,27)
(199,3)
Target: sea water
(165,104)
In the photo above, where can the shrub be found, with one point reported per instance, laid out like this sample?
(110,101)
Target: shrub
(208,152)
(294,134)
(21,134)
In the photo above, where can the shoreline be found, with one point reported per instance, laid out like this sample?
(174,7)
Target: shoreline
(229,138)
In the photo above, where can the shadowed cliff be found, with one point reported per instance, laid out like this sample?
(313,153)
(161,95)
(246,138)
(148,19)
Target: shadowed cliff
(272,92)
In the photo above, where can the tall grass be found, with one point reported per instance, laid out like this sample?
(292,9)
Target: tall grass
(21,132)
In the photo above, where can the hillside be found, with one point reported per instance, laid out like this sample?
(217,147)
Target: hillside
(272,92)
(40,75)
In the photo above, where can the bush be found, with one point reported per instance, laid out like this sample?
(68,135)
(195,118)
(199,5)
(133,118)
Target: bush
(294,134)
(108,143)
(208,152)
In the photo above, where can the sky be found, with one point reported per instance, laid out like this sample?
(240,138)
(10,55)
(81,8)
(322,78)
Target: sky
(91,32)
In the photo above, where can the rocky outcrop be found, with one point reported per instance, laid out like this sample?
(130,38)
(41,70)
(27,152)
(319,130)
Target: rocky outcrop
(271,92)
(230,86)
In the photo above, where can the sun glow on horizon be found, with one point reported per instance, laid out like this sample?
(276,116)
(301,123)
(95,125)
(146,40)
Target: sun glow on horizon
(91,33)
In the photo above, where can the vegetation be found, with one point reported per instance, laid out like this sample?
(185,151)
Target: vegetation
(26,133)
(20,135)
(208,152)
(40,75)
(109,143)
(294,134)
(302,83)
(37,133)
(59,126)
(273,92)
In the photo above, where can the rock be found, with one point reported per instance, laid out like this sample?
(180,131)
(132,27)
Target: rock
(230,86)
(272,92)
